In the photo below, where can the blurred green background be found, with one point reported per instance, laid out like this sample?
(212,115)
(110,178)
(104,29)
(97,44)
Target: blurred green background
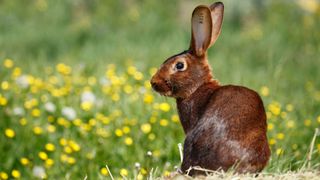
(270,46)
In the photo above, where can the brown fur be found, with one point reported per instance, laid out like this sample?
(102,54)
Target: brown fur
(225,126)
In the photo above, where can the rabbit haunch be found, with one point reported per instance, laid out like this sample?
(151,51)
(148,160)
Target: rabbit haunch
(225,126)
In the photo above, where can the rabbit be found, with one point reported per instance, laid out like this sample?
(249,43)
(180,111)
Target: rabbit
(225,125)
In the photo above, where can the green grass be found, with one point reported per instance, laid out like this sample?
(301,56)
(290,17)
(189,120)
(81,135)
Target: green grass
(272,47)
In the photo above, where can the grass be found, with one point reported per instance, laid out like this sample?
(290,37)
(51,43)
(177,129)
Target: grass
(97,58)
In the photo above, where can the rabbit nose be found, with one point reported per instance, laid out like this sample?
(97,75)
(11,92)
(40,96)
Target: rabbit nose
(155,85)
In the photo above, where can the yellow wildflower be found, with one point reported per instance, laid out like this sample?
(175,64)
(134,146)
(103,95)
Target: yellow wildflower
(128,89)
(145,128)
(143,171)
(86,105)
(37,130)
(264,91)
(50,147)
(151,136)
(16,174)
(23,121)
(128,141)
(166,173)
(318,119)
(152,71)
(49,162)
(123,172)
(67,149)
(280,136)
(3,101)
(51,128)
(71,160)
(126,129)
(279,151)
(8,63)
(43,155)
(74,146)
(4,176)
(164,122)
(294,146)
(164,107)
(274,108)
(104,171)
(63,141)
(35,112)
(24,161)
(175,118)
(290,124)
(307,122)
(289,107)
(9,133)
(5,85)
(119,132)
(148,98)
(272,141)
(270,126)
(115,97)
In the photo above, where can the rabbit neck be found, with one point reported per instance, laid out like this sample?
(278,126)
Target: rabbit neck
(191,109)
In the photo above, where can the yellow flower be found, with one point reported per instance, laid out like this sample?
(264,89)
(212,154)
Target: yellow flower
(50,147)
(3,101)
(289,107)
(10,133)
(23,122)
(43,155)
(37,130)
(151,136)
(71,160)
(49,162)
(143,171)
(290,124)
(51,128)
(264,91)
(4,176)
(318,147)
(16,174)
(24,161)
(74,146)
(274,108)
(131,70)
(123,172)
(86,105)
(175,118)
(294,146)
(128,141)
(63,141)
(64,157)
(126,129)
(164,107)
(307,122)
(16,72)
(279,151)
(5,85)
(67,149)
(8,63)
(270,126)
(35,112)
(280,136)
(128,89)
(63,69)
(272,141)
(164,122)
(148,98)
(115,97)
(318,119)
(138,76)
(104,171)
(145,128)
(119,132)
(166,173)
(153,119)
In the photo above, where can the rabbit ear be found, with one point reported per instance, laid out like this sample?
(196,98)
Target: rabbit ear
(217,18)
(201,27)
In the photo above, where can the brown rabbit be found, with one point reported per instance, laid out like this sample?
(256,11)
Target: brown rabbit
(225,126)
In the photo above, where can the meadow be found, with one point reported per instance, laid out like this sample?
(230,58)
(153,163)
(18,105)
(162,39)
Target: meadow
(75,97)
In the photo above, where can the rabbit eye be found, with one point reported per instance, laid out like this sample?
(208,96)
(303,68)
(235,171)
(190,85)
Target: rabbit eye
(180,66)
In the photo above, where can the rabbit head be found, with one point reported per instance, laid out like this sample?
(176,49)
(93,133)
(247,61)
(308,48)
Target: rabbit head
(180,75)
